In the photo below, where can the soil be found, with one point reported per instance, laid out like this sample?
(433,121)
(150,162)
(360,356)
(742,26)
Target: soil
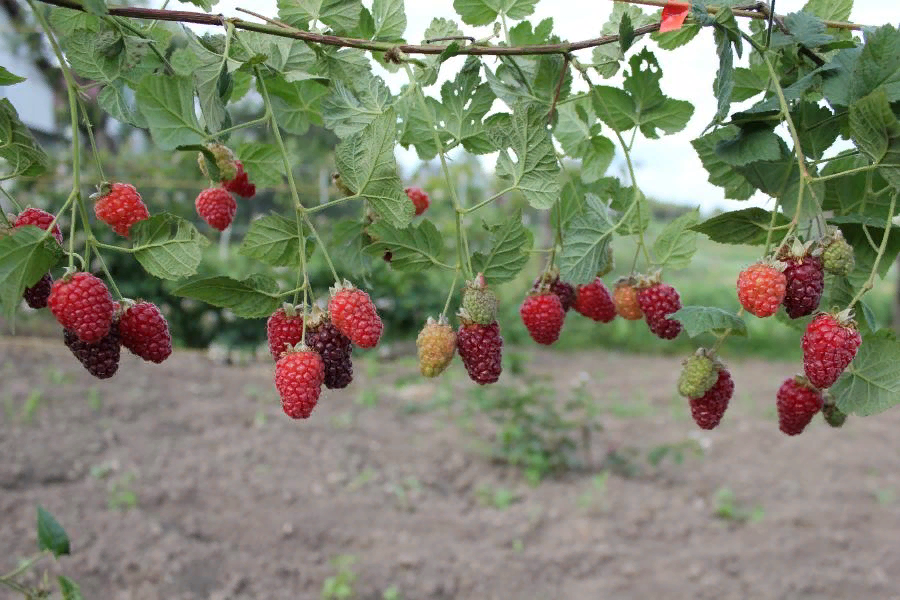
(185,481)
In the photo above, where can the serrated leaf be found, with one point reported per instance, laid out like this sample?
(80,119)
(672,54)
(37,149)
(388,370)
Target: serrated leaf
(675,39)
(484,12)
(18,147)
(529,80)
(251,298)
(586,241)
(817,128)
(112,99)
(830,10)
(347,110)
(806,29)
(751,145)
(167,246)
(69,589)
(626,33)
(7,78)
(871,384)
(877,65)
(366,163)
(464,103)
(749,82)
(413,249)
(340,15)
(95,7)
(510,243)
(721,173)
(51,535)
(535,170)
(677,242)
(85,53)
(723,86)
(748,226)
(347,243)
(168,105)
(847,194)
(390,20)
(208,69)
(25,256)
(876,131)
(274,240)
(703,319)
(296,105)
(65,21)
(262,162)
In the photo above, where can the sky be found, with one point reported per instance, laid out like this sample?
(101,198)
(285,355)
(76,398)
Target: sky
(667,169)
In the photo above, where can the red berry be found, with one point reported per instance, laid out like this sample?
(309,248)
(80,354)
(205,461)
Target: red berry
(594,302)
(805,282)
(121,208)
(625,297)
(543,316)
(335,349)
(283,330)
(101,359)
(797,403)
(298,378)
(657,301)
(480,348)
(565,291)
(354,314)
(39,218)
(37,295)
(217,207)
(145,332)
(82,304)
(760,289)
(708,409)
(240,184)
(419,199)
(829,345)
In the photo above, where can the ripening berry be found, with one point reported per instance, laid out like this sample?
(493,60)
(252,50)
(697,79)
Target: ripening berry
(805,282)
(595,302)
(625,297)
(657,301)
(217,207)
(543,316)
(145,332)
(760,289)
(82,304)
(120,206)
(284,329)
(708,409)
(38,218)
(481,348)
(698,374)
(829,344)
(419,199)
(298,377)
(797,403)
(435,347)
(479,302)
(354,314)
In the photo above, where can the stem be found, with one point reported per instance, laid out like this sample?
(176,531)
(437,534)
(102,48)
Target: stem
(71,233)
(472,209)
(843,173)
(870,282)
(109,277)
(328,205)
(505,29)
(450,293)
(15,205)
(90,132)
(771,228)
(239,126)
(635,202)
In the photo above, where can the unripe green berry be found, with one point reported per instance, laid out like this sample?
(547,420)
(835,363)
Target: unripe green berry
(698,375)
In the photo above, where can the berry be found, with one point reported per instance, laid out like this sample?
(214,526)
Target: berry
(481,349)
(833,415)
(225,161)
(284,328)
(120,206)
(145,332)
(298,378)
(82,304)
(354,314)
(419,199)
(543,316)
(698,375)
(829,345)
(708,409)
(656,301)
(837,257)
(217,207)
(37,295)
(334,348)
(805,281)
(625,297)
(594,302)
(240,183)
(565,291)
(39,218)
(101,359)
(760,289)
(797,403)
(435,346)
(479,302)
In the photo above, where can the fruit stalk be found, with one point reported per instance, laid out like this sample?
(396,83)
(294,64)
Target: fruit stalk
(870,282)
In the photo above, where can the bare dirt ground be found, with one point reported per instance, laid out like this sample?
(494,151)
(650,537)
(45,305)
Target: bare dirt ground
(185,481)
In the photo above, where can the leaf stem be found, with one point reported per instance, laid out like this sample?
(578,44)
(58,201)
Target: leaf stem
(484,203)
(635,202)
(327,205)
(888,226)
(844,173)
(109,277)
(452,289)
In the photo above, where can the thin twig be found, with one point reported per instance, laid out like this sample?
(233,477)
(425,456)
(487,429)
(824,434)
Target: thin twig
(281,24)
(559,84)
(451,38)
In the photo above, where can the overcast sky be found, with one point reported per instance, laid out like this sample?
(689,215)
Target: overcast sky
(668,169)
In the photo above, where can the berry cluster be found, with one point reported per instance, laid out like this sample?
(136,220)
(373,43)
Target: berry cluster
(316,350)
(216,205)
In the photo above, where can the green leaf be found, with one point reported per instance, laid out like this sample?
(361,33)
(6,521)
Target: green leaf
(830,10)
(675,39)
(723,86)
(296,105)
(413,249)
(7,78)
(749,82)
(112,99)
(817,128)
(529,80)
(748,226)
(274,240)
(586,241)
(677,242)
(535,171)
(721,173)
(626,33)
(390,20)
(168,246)
(484,12)
(853,226)
(347,243)
(847,194)
(340,15)
(25,256)
(878,65)
(806,29)
(510,243)
(69,589)
(208,69)
(254,297)
(95,7)
(365,161)
(614,107)
(168,105)
(702,319)
(751,145)
(51,536)
(18,147)
(348,110)
(871,384)
(88,54)
(262,162)
(66,21)
(464,102)
(876,131)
